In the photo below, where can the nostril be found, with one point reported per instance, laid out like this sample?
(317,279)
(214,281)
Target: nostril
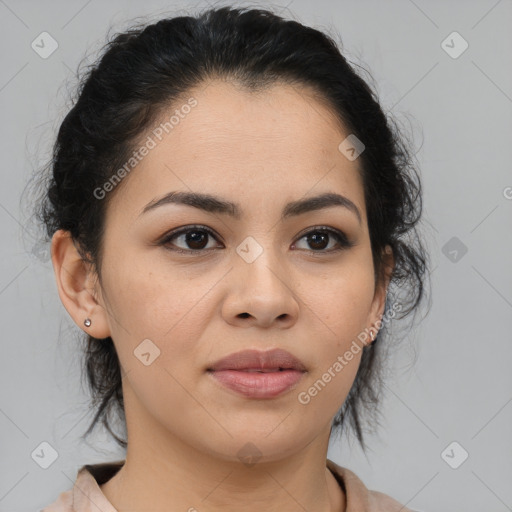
(244,315)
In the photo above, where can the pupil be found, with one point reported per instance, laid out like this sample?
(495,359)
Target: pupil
(314,240)
(195,239)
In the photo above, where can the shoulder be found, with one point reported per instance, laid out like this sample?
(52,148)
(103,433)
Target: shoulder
(86,490)
(63,503)
(380,502)
(359,497)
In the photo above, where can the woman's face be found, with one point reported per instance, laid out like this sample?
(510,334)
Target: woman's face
(256,280)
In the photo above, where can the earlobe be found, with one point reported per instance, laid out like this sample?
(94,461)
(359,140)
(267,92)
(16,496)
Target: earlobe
(73,277)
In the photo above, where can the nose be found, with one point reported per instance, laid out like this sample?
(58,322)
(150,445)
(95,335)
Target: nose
(260,294)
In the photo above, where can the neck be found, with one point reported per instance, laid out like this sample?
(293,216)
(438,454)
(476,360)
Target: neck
(165,470)
(180,478)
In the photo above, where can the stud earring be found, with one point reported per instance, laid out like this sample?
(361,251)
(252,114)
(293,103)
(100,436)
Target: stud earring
(87,322)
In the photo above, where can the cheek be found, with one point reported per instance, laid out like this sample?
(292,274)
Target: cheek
(158,320)
(341,301)
(151,299)
(157,303)
(338,316)
(338,312)
(326,390)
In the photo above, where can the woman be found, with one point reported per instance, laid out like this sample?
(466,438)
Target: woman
(228,210)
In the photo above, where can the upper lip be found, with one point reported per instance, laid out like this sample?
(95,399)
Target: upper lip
(257,360)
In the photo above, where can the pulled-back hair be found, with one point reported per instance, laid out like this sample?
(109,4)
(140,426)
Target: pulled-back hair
(142,71)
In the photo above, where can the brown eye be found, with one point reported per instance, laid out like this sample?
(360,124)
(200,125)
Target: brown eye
(192,239)
(319,239)
(197,238)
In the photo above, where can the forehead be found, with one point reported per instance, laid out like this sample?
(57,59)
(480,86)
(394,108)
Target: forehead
(244,145)
(278,113)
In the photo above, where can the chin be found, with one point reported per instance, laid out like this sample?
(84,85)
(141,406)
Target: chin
(260,445)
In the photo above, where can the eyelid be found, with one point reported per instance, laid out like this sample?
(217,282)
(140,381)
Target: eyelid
(321,228)
(183,229)
(342,238)
(344,241)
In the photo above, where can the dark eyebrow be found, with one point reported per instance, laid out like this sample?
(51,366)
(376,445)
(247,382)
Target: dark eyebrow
(212,204)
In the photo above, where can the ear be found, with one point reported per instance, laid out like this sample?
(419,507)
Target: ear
(381,289)
(78,286)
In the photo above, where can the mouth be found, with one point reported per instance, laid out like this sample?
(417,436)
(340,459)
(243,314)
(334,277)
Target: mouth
(258,361)
(264,371)
(256,374)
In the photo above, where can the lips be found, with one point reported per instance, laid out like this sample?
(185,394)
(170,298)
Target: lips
(254,360)
(256,374)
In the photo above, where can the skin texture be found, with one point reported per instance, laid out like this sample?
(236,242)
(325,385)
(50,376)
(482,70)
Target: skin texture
(185,430)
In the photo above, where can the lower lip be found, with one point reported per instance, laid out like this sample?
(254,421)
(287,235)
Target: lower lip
(258,384)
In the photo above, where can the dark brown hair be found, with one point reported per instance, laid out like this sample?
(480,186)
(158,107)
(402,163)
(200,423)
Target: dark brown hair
(145,69)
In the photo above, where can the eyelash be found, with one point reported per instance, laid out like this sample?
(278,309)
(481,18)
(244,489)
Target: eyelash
(338,235)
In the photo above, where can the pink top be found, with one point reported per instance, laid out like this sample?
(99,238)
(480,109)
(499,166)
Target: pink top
(86,495)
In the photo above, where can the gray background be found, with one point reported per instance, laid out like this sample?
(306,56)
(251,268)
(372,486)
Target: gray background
(451,379)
